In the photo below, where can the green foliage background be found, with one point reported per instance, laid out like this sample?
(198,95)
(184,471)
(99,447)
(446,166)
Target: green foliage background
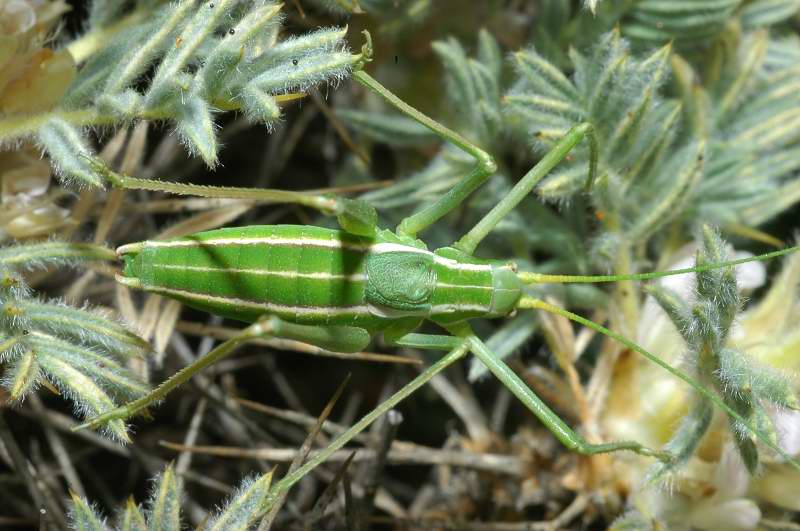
(696,109)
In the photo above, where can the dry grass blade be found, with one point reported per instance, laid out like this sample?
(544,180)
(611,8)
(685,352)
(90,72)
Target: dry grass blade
(400,454)
(318,511)
(269,518)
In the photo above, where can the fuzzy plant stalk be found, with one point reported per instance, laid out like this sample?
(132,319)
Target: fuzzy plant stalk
(81,353)
(745,386)
(162,510)
(207,58)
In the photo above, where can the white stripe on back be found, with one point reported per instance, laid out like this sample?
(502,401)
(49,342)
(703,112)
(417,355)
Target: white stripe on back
(357,277)
(265,306)
(464,286)
(292,242)
(452,308)
(385,247)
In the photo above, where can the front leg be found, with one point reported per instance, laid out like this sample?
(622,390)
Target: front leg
(485,165)
(335,338)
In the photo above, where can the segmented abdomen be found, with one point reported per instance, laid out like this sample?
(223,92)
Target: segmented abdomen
(300,273)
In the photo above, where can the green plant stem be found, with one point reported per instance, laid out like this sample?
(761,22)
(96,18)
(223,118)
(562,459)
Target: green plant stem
(22,254)
(15,127)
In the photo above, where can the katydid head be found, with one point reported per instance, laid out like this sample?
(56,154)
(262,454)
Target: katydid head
(506,289)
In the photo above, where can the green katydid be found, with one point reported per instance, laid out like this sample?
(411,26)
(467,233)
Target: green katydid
(337,289)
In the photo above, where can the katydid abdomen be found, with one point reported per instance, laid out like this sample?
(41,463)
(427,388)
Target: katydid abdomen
(302,274)
(318,276)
